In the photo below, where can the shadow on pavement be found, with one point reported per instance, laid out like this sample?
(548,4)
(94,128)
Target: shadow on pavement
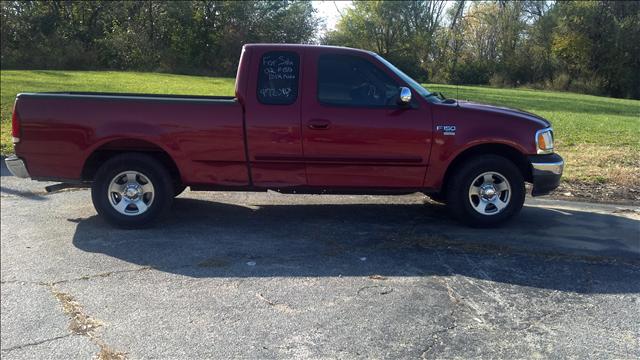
(541,248)
(24,194)
(4,171)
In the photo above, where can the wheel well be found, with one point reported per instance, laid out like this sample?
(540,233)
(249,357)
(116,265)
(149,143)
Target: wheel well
(116,147)
(515,156)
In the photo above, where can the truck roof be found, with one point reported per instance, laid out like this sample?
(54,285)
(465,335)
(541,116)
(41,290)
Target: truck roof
(304,46)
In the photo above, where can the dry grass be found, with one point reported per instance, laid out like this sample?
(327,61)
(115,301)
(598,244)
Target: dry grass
(80,324)
(600,173)
(107,353)
(602,164)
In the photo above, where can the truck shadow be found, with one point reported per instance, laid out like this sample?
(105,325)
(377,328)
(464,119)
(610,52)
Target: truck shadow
(24,194)
(543,248)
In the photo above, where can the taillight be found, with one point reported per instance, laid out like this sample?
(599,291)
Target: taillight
(15,125)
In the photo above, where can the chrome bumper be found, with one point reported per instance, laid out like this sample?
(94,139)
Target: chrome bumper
(554,168)
(16,166)
(546,171)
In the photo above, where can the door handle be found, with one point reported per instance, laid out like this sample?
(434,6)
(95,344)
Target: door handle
(319,124)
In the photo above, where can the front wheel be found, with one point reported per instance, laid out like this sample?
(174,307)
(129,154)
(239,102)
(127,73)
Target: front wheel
(486,191)
(132,190)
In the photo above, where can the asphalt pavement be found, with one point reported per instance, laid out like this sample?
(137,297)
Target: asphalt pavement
(265,275)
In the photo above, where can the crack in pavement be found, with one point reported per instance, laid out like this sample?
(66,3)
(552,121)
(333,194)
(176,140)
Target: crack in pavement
(80,323)
(459,305)
(278,305)
(83,324)
(83,277)
(99,275)
(435,334)
(35,343)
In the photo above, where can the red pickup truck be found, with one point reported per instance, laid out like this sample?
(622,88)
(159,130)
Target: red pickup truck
(304,119)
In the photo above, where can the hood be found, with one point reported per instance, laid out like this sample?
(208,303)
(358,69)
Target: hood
(504,111)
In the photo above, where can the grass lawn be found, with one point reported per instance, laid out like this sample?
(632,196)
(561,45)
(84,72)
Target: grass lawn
(598,136)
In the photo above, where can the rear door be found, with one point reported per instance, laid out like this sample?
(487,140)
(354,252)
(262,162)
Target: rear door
(274,138)
(355,135)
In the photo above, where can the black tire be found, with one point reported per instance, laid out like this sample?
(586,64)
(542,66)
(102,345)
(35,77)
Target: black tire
(152,171)
(178,188)
(461,203)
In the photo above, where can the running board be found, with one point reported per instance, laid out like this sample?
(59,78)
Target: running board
(62,186)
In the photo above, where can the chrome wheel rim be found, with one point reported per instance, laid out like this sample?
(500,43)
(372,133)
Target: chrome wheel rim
(131,193)
(490,193)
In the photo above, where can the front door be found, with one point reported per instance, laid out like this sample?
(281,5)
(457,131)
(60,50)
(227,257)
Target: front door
(355,135)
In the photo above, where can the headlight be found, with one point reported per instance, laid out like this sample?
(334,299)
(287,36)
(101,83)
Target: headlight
(544,141)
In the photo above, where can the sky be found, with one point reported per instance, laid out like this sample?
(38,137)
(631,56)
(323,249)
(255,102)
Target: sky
(330,11)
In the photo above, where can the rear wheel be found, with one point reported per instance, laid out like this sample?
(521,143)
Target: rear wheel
(132,190)
(486,191)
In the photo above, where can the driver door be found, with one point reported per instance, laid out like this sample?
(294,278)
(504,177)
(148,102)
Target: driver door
(355,135)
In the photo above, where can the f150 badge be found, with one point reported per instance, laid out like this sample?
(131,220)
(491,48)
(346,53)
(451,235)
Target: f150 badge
(447,129)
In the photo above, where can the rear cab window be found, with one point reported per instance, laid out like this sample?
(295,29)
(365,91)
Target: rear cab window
(278,76)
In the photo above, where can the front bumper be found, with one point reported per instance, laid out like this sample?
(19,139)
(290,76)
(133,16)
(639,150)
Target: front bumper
(546,171)
(16,166)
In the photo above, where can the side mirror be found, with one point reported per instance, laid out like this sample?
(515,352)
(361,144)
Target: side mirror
(405,95)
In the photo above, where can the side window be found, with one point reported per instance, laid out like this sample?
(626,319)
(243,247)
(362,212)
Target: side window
(278,78)
(353,81)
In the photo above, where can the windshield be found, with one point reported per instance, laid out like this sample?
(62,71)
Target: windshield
(412,83)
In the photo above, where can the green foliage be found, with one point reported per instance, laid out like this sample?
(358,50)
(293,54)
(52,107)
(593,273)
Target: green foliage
(392,29)
(584,46)
(599,44)
(199,37)
(595,45)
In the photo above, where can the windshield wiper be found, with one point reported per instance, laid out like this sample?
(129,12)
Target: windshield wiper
(441,96)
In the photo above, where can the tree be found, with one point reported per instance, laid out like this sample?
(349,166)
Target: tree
(199,37)
(403,32)
(598,43)
(585,46)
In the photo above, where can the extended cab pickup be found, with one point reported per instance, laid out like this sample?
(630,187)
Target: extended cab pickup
(304,119)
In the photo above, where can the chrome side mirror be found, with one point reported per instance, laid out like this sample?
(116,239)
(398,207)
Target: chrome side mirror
(405,95)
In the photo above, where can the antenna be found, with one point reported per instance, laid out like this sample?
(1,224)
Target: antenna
(338,9)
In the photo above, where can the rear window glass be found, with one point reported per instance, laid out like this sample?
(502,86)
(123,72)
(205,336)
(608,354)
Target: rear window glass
(278,78)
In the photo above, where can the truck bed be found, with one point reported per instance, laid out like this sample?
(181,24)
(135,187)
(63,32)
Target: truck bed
(202,134)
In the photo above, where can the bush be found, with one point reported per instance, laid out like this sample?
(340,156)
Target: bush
(560,82)
(591,86)
(472,73)
(497,80)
